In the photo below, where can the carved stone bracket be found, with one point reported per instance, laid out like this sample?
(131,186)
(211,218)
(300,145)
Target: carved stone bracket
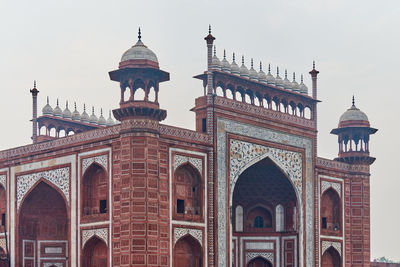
(327,244)
(102,160)
(58,177)
(325,185)
(101,233)
(196,162)
(195,233)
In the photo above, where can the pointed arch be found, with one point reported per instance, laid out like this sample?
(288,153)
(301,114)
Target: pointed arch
(94,193)
(95,253)
(331,257)
(188,252)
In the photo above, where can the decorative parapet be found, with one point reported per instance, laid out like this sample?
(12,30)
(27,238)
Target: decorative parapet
(341,166)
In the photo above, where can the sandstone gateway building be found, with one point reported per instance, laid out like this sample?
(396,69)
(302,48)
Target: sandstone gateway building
(246,188)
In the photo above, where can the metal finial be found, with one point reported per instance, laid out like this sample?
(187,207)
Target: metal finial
(285,74)
(47,100)
(251,63)
(92,110)
(224,54)
(34,84)
(233,56)
(84,107)
(353,101)
(242,60)
(66,104)
(313,64)
(302,78)
(260,66)
(215,51)
(277,71)
(294,76)
(269,67)
(57,102)
(101,111)
(209,28)
(75,105)
(109,113)
(139,34)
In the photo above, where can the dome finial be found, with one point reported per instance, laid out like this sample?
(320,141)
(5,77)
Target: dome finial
(294,76)
(215,50)
(224,53)
(57,102)
(277,71)
(101,111)
(139,34)
(313,64)
(92,110)
(209,28)
(34,84)
(251,63)
(66,104)
(260,66)
(285,74)
(301,78)
(47,100)
(233,56)
(353,102)
(75,105)
(242,59)
(84,107)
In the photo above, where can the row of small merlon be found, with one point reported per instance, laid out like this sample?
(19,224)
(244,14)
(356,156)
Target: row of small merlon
(76,116)
(259,76)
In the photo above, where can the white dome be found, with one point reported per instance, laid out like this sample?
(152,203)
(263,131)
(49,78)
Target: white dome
(295,85)
(102,121)
(286,83)
(57,111)
(47,109)
(261,75)
(270,77)
(234,66)
(302,87)
(353,114)
(93,118)
(67,113)
(244,71)
(278,79)
(110,120)
(76,116)
(140,52)
(84,115)
(215,63)
(225,66)
(252,72)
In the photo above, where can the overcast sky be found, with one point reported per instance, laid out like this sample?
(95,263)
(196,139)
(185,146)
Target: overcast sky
(69,47)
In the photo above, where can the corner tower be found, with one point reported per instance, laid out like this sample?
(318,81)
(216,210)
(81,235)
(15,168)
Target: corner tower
(140,188)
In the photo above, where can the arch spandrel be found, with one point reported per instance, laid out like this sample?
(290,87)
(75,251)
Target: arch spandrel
(60,178)
(328,244)
(101,233)
(179,233)
(87,162)
(244,154)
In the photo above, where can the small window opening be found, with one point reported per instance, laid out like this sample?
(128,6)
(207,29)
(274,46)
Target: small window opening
(194,189)
(258,222)
(3,219)
(103,206)
(323,222)
(204,125)
(180,206)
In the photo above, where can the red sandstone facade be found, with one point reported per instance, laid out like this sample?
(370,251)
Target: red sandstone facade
(246,188)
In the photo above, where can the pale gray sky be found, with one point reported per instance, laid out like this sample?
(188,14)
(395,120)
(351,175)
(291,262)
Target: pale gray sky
(69,47)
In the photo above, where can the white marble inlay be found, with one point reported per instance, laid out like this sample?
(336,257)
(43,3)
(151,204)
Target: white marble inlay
(325,185)
(52,250)
(57,264)
(327,244)
(267,255)
(102,160)
(58,177)
(101,233)
(3,243)
(259,245)
(196,162)
(195,233)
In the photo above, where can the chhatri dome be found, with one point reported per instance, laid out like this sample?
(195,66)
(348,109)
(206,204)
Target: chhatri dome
(353,117)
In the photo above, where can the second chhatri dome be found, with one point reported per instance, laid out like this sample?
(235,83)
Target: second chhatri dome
(353,117)
(139,52)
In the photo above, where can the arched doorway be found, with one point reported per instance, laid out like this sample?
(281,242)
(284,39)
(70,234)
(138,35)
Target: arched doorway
(94,192)
(43,226)
(3,258)
(268,212)
(331,258)
(187,253)
(331,213)
(259,262)
(95,253)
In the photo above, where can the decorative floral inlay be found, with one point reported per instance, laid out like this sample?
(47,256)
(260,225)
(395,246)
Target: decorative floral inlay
(327,244)
(196,233)
(58,177)
(57,264)
(101,233)
(326,185)
(3,180)
(242,153)
(3,243)
(267,255)
(102,160)
(196,162)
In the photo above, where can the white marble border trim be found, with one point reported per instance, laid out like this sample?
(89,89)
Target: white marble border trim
(8,208)
(225,126)
(295,248)
(109,155)
(246,238)
(341,181)
(53,258)
(205,184)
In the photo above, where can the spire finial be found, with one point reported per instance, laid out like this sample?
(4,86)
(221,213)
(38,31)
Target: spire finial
(47,100)
(34,84)
(101,111)
(294,76)
(251,63)
(277,71)
(269,67)
(66,104)
(75,105)
(139,34)
(209,28)
(353,102)
(215,50)
(301,78)
(313,64)
(84,107)
(233,56)
(224,53)
(57,102)
(242,60)
(260,66)
(92,110)
(285,74)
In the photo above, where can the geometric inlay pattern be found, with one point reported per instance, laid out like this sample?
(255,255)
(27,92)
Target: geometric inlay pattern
(335,186)
(56,264)
(267,255)
(3,181)
(58,177)
(195,233)
(336,245)
(196,162)
(101,233)
(102,160)
(242,153)
(3,243)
